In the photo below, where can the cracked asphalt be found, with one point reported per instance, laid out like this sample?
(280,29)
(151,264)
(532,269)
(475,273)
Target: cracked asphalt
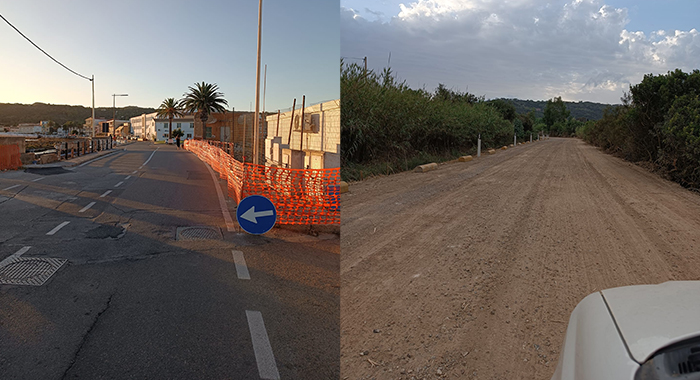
(132,302)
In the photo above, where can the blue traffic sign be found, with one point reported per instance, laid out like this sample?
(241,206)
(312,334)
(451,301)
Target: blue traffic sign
(256,214)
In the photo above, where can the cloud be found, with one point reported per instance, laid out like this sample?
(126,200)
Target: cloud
(579,50)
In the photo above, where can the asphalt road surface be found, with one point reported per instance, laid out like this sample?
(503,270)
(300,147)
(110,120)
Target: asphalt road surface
(130,301)
(472,270)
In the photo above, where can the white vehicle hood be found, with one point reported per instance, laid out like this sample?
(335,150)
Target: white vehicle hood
(651,317)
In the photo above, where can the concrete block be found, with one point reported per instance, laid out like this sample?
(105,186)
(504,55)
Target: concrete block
(344,187)
(426,167)
(511,145)
(49,158)
(465,158)
(492,151)
(504,147)
(27,158)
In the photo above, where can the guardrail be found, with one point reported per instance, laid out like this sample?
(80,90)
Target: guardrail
(301,196)
(71,149)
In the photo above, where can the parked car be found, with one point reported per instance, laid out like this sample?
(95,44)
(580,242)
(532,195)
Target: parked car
(641,332)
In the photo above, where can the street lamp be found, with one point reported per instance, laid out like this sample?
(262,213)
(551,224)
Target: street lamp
(114,112)
(257,90)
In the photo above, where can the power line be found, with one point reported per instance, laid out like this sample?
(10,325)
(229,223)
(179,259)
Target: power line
(42,50)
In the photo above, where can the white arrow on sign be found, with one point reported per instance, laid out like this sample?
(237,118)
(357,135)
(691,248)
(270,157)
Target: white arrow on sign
(251,215)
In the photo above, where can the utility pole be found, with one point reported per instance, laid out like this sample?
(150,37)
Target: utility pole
(257,90)
(93,107)
(114,111)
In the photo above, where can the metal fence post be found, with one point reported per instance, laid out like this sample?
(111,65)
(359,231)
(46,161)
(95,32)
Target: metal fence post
(478,146)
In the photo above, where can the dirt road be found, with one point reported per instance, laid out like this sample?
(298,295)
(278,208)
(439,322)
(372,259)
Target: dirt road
(471,271)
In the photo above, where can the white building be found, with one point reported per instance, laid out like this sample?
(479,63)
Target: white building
(151,128)
(143,126)
(185,123)
(320,146)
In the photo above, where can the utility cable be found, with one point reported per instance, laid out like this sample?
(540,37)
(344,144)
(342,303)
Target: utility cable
(42,50)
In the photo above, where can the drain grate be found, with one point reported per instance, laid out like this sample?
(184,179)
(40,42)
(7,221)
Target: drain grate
(198,233)
(33,271)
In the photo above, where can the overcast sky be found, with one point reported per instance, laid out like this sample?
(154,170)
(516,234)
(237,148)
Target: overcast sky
(155,49)
(529,49)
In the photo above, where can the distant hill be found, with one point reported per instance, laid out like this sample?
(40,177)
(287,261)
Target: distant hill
(13,113)
(588,110)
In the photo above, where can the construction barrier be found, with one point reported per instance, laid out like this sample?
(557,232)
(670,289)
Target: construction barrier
(9,157)
(301,196)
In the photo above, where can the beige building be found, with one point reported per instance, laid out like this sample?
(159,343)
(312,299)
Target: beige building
(317,148)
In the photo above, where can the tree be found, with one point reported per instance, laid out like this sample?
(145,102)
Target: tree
(170,108)
(178,133)
(505,108)
(555,112)
(681,141)
(202,100)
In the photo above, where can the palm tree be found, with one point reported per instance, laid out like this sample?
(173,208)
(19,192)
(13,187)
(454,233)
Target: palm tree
(202,100)
(170,108)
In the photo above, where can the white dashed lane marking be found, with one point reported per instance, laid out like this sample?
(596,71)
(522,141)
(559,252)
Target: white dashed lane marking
(149,158)
(241,267)
(11,187)
(38,179)
(19,253)
(87,207)
(57,228)
(267,368)
(127,177)
(105,193)
(119,184)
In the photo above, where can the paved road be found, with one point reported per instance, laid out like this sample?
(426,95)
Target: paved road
(132,302)
(471,271)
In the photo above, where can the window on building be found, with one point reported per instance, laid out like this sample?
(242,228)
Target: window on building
(165,135)
(191,125)
(207,133)
(179,125)
(189,135)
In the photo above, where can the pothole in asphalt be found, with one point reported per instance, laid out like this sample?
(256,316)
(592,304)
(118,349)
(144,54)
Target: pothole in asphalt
(108,231)
(32,271)
(198,233)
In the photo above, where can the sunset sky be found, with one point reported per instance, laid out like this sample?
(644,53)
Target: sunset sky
(156,49)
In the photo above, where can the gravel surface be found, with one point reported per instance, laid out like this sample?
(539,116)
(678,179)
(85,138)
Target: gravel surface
(471,271)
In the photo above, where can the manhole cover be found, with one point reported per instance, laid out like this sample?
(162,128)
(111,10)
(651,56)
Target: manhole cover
(198,233)
(29,271)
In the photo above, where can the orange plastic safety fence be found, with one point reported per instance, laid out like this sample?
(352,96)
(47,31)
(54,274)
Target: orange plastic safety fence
(301,196)
(10,157)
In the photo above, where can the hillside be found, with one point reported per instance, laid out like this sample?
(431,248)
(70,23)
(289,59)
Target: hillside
(588,110)
(13,113)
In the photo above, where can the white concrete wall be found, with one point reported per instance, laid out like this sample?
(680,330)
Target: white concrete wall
(323,143)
